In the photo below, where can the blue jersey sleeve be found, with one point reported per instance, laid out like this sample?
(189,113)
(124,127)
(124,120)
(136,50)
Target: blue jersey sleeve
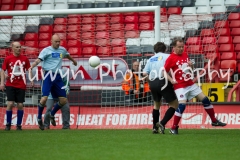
(147,68)
(42,54)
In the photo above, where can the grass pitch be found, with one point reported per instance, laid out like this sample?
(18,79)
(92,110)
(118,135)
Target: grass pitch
(212,144)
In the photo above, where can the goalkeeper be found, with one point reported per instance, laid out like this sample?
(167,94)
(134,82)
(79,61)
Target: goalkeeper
(65,109)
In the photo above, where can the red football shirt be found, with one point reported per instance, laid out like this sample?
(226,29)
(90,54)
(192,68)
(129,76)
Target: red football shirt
(20,63)
(178,64)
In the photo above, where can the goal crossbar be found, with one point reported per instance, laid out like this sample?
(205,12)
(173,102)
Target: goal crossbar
(155,9)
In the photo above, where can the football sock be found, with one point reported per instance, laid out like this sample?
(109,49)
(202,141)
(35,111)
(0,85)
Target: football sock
(209,109)
(155,114)
(19,117)
(9,117)
(168,115)
(40,110)
(55,109)
(178,115)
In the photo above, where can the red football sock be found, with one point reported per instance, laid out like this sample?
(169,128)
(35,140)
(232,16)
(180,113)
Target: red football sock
(211,114)
(176,120)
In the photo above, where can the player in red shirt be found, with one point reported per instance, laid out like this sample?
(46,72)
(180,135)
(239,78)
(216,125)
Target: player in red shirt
(16,66)
(180,65)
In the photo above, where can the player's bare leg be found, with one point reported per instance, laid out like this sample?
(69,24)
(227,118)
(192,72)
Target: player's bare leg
(10,105)
(20,113)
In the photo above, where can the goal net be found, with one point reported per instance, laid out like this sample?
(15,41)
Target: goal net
(120,37)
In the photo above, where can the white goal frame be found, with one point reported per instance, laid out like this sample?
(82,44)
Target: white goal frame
(155,9)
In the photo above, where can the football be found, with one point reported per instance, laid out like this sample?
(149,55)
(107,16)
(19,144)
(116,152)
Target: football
(94,61)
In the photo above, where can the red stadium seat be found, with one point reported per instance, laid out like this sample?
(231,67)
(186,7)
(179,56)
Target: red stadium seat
(88,20)
(116,19)
(61,35)
(88,15)
(234,24)
(222,32)
(73,43)
(119,50)
(164,18)
(194,49)
(238,56)
(88,42)
(43,44)
(4,53)
(74,16)
(87,35)
(7,7)
(45,36)
(224,39)
(146,13)
(102,20)
(60,28)
(226,48)
(60,21)
(45,29)
(236,39)
(74,20)
(130,14)
(174,10)
(102,35)
(117,34)
(163,11)
(131,26)
(103,51)
(73,35)
(234,16)
(32,44)
(89,51)
(207,33)
(238,67)
(221,24)
(237,48)
(19,7)
(21,1)
(34,1)
(209,40)
(102,15)
(63,43)
(102,42)
(75,51)
(88,28)
(193,41)
(131,19)
(235,32)
(146,26)
(118,42)
(146,19)
(210,48)
(228,56)
(224,66)
(31,53)
(31,37)
(11,2)
(102,27)
(73,28)
(132,34)
(117,27)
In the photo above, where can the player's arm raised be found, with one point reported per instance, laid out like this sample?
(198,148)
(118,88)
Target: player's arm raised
(35,63)
(71,59)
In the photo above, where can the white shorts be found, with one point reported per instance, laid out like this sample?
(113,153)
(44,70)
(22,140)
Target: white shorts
(188,93)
